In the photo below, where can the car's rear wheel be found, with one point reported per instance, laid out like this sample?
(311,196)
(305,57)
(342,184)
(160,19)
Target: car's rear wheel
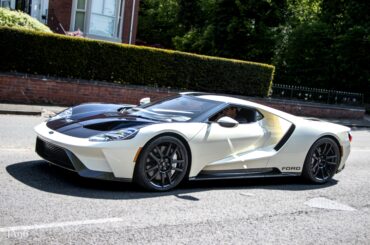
(322,161)
(162,164)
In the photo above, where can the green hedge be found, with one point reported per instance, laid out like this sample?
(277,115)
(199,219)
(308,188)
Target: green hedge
(71,57)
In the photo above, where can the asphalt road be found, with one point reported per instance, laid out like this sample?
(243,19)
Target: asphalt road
(41,204)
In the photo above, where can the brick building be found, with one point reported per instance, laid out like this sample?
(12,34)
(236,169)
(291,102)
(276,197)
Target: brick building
(113,20)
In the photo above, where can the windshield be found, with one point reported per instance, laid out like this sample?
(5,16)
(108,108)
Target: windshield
(175,109)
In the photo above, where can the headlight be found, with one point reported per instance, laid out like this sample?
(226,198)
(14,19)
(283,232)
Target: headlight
(64,114)
(123,134)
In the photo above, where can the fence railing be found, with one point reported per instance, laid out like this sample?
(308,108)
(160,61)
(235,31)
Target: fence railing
(316,95)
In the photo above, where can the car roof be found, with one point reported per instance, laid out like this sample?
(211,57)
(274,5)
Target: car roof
(228,99)
(239,101)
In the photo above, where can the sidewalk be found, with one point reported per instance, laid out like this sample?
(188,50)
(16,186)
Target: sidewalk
(34,110)
(38,110)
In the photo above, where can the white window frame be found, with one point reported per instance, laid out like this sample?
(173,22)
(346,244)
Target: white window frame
(118,20)
(73,15)
(11,3)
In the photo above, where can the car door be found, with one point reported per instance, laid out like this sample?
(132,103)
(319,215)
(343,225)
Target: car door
(228,147)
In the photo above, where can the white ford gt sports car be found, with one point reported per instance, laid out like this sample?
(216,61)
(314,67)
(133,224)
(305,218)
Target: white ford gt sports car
(191,136)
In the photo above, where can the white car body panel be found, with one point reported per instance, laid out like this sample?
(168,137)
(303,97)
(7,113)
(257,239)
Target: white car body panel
(212,147)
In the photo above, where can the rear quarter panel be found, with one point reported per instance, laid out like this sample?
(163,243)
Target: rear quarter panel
(290,158)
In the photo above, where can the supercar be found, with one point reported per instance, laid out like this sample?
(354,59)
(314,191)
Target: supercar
(191,136)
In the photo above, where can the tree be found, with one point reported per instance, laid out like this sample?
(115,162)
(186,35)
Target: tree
(244,29)
(189,13)
(330,52)
(307,59)
(316,43)
(157,22)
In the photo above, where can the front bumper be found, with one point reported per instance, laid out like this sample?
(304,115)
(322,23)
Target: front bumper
(102,160)
(64,158)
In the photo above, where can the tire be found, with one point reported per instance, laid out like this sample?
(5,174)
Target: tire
(322,161)
(162,164)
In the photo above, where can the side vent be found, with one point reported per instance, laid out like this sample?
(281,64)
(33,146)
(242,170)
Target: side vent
(285,138)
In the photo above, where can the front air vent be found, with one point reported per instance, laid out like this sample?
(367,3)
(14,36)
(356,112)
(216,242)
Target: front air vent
(53,153)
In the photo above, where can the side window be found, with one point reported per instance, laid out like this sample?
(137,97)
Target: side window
(259,116)
(241,114)
(246,115)
(230,111)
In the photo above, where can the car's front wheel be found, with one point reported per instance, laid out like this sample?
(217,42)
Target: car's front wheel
(162,164)
(322,161)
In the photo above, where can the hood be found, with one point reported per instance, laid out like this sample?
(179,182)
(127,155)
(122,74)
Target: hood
(88,120)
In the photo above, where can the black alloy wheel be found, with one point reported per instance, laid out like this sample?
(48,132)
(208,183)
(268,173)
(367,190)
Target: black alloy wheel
(162,164)
(322,161)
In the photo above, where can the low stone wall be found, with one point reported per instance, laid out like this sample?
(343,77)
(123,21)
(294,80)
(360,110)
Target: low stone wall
(30,89)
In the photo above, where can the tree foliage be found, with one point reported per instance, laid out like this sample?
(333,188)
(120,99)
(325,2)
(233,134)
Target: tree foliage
(315,43)
(330,51)
(157,22)
(243,29)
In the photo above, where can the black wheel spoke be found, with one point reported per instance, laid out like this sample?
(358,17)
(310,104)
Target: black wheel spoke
(322,172)
(163,179)
(151,169)
(177,169)
(159,151)
(174,152)
(317,152)
(168,150)
(331,163)
(154,157)
(323,152)
(331,157)
(315,166)
(316,172)
(169,177)
(330,148)
(178,161)
(154,175)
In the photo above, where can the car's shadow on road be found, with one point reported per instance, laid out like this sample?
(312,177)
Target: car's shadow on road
(39,175)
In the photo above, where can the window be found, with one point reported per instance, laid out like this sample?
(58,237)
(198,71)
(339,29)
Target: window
(80,15)
(103,17)
(240,114)
(98,18)
(9,4)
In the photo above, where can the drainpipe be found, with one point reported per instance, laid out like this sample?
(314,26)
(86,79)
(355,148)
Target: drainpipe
(132,21)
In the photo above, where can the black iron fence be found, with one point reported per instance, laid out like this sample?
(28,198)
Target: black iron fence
(281,91)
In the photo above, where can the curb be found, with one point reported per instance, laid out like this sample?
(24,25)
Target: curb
(25,113)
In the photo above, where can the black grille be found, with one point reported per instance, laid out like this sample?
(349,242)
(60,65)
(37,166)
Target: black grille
(53,154)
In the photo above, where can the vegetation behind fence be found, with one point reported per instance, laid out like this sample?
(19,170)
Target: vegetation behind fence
(316,95)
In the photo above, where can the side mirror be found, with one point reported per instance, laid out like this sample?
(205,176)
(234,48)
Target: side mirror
(227,122)
(144,101)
